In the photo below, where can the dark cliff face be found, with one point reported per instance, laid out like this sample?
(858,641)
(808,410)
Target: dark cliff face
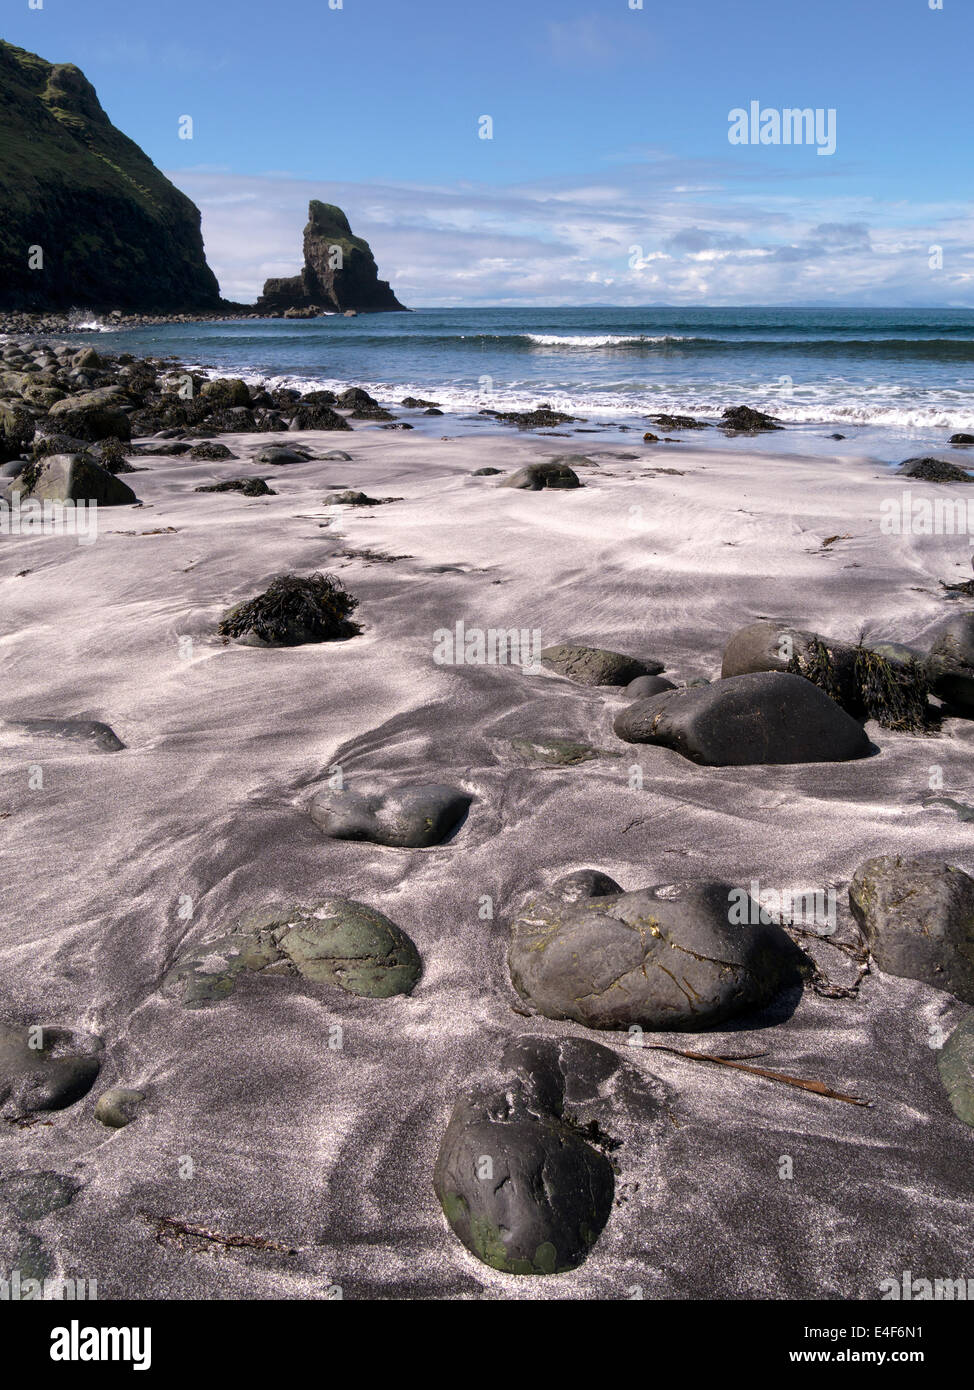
(114,232)
(339,272)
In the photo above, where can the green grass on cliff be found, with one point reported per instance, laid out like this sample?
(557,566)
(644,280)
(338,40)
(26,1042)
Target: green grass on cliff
(114,231)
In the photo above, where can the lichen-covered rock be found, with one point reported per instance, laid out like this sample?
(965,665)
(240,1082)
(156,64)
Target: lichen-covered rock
(671,957)
(45,1068)
(918,920)
(768,717)
(404,817)
(556,752)
(92,415)
(226,392)
(536,476)
(77,478)
(518,1179)
(16,431)
(334,942)
(118,1106)
(956,1066)
(596,665)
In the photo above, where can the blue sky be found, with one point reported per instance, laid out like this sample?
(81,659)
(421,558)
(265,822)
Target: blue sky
(610,132)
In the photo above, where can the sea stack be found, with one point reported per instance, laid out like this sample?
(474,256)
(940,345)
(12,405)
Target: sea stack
(339,276)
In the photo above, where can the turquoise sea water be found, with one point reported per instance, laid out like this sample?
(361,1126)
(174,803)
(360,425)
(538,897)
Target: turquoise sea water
(891,377)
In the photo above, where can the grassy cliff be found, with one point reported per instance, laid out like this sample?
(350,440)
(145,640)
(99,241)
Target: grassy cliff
(115,233)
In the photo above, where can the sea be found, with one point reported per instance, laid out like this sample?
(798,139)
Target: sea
(893,382)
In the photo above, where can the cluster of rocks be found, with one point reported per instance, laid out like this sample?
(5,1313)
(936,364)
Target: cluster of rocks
(68,416)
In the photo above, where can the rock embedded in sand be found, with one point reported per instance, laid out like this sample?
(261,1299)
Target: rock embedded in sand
(250,487)
(961,439)
(32,1195)
(681,422)
(956,1066)
(350,498)
(45,1068)
(485,472)
(77,478)
(537,476)
(934,470)
(682,957)
(643,686)
(213,453)
(100,738)
(596,665)
(280,454)
(404,817)
(917,917)
(347,944)
(118,1106)
(334,942)
(768,717)
(556,752)
(518,1180)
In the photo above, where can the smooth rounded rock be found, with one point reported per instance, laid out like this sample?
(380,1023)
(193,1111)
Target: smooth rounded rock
(681,957)
(404,817)
(765,718)
(118,1106)
(596,665)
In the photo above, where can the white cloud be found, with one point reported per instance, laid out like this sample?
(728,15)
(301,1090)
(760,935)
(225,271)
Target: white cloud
(570,242)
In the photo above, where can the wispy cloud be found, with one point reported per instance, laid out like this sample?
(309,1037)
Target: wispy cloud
(666,236)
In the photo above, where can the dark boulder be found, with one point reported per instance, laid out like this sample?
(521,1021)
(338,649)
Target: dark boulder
(213,453)
(681,957)
(596,665)
(644,686)
(743,420)
(520,1180)
(933,470)
(77,478)
(542,475)
(767,717)
(917,918)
